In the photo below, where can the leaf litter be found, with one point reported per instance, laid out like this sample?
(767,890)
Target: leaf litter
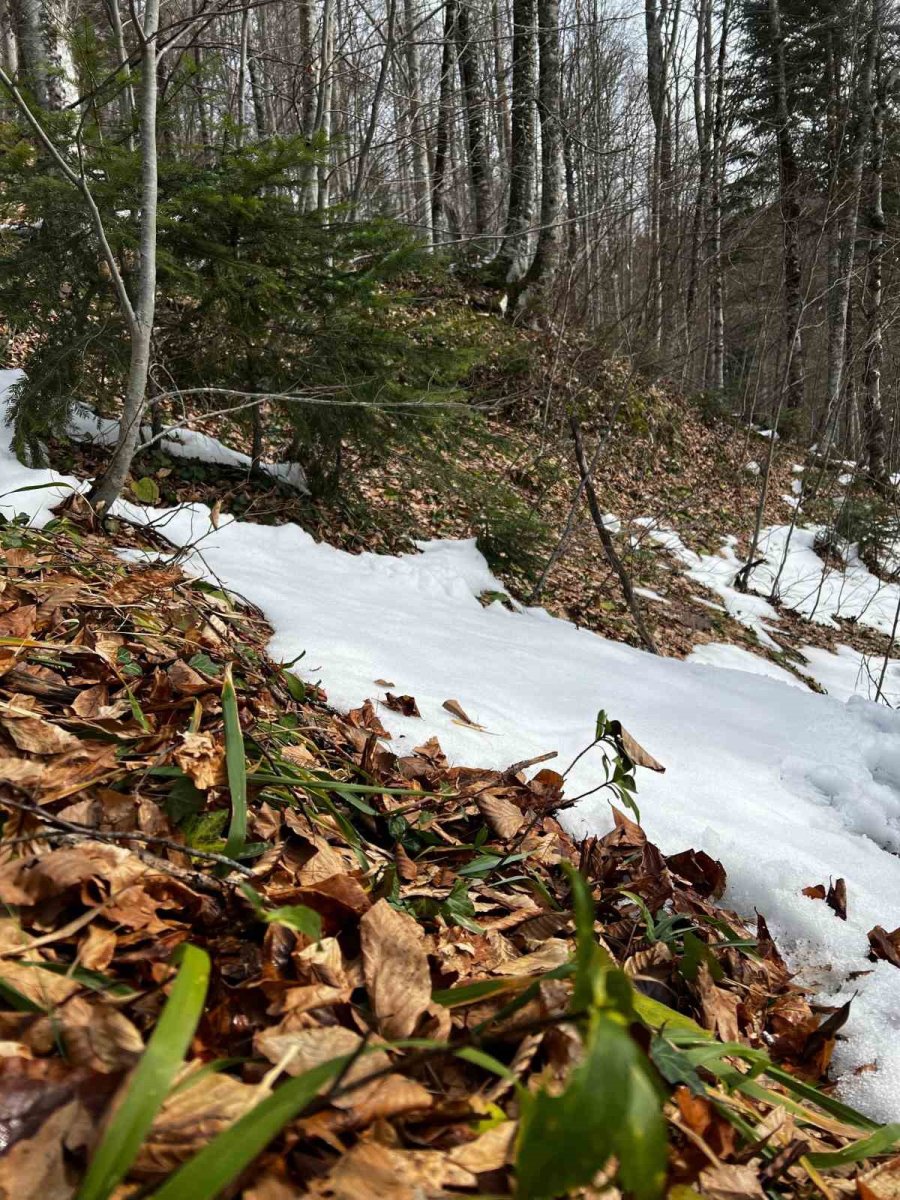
(432,927)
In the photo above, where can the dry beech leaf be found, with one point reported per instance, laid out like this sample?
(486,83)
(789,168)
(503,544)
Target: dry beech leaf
(186,681)
(192,1116)
(504,818)
(815,892)
(489,1152)
(395,968)
(836,898)
(29,880)
(552,954)
(885,945)
(95,1035)
(882,1183)
(402,704)
(454,706)
(635,750)
(378,1172)
(720,1007)
(299,1050)
(202,759)
(299,756)
(19,623)
(34,735)
(729,1182)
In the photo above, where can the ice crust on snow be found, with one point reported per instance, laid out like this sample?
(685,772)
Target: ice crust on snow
(786,787)
(736,658)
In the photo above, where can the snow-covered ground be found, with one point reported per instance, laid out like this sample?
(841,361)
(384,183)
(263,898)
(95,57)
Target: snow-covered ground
(87,426)
(788,788)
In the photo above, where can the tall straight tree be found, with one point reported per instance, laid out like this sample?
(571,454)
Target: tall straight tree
(789,204)
(475,103)
(513,258)
(535,292)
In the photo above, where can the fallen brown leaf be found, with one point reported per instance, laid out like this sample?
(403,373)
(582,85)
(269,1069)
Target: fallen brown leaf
(395,968)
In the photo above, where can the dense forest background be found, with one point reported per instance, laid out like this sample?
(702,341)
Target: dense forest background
(707,190)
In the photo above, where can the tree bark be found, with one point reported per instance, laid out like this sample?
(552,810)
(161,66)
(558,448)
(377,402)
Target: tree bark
(788,185)
(45,54)
(445,116)
(534,295)
(843,252)
(108,488)
(475,104)
(873,415)
(513,258)
(417,128)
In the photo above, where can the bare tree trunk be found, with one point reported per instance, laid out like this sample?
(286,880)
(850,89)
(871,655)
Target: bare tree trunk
(9,50)
(716,380)
(45,53)
(417,128)
(110,484)
(661,27)
(475,103)
(307,98)
(792,401)
(873,415)
(241,105)
(323,99)
(445,115)
(703,121)
(123,66)
(606,541)
(386,59)
(843,252)
(513,258)
(534,294)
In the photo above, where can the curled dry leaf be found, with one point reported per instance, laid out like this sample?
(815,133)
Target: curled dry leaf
(884,945)
(395,968)
(815,891)
(202,759)
(402,704)
(635,751)
(836,899)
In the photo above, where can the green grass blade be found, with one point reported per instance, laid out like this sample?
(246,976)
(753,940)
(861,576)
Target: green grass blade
(236,764)
(151,1079)
(879,1142)
(208,1173)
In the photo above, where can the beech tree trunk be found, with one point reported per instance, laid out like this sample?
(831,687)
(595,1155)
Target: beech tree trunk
(475,104)
(445,116)
(45,54)
(534,296)
(513,259)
